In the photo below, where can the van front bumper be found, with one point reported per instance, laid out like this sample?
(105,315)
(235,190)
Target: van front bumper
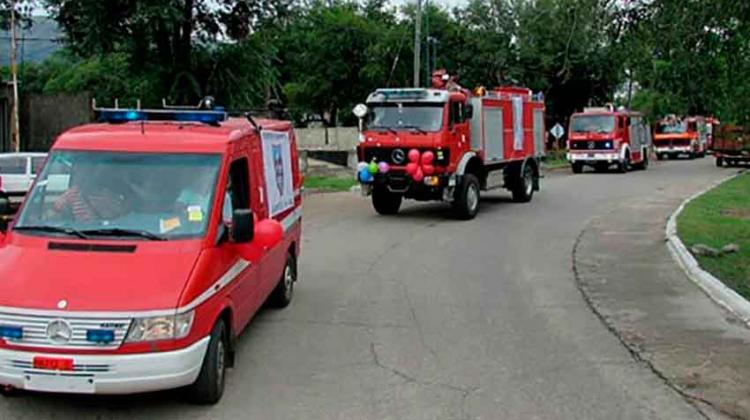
(105,374)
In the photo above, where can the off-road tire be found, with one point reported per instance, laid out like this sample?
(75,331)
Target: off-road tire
(466,200)
(385,202)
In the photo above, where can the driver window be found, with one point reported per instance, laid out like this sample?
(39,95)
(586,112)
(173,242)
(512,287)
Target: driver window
(237,195)
(456,113)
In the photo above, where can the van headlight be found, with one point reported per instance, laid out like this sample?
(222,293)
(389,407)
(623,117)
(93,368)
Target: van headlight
(160,327)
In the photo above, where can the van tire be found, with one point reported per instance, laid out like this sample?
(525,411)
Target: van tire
(467,195)
(385,202)
(283,294)
(209,387)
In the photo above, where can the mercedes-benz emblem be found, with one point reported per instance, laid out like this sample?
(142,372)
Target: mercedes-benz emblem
(59,331)
(591,145)
(398,156)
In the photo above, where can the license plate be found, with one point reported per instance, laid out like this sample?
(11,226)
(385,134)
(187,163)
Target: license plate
(59,383)
(53,363)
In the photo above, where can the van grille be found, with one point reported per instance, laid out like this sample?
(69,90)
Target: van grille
(35,331)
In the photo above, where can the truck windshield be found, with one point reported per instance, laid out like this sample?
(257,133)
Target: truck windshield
(419,116)
(145,196)
(593,124)
(672,128)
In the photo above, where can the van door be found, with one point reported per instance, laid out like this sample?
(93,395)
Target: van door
(237,195)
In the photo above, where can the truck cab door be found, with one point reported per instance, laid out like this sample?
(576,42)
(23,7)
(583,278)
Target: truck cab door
(458,124)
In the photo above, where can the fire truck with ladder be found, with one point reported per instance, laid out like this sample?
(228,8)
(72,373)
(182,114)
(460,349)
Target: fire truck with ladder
(449,144)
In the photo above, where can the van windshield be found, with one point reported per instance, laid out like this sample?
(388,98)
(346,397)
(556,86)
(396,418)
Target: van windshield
(146,196)
(419,116)
(593,124)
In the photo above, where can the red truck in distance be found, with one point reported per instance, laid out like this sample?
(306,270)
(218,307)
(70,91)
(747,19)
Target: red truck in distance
(449,144)
(675,137)
(603,137)
(731,145)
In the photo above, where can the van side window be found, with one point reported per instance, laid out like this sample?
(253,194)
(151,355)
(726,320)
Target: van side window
(237,194)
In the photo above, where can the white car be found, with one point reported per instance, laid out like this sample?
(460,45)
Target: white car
(17,173)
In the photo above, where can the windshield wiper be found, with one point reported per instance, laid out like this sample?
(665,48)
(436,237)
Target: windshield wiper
(52,229)
(380,127)
(415,128)
(125,232)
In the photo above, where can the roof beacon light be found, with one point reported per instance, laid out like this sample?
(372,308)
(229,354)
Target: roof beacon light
(116,115)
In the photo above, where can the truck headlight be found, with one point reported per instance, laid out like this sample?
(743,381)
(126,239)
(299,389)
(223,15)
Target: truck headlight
(160,327)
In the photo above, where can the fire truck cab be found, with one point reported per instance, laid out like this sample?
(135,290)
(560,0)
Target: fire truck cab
(446,143)
(144,248)
(675,136)
(602,137)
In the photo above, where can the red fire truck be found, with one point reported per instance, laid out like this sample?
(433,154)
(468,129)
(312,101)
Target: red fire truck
(446,143)
(675,136)
(145,247)
(602,137)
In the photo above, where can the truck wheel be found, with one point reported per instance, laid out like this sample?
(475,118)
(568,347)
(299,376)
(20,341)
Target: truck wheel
(523,190)
(209,387)
(624,166)
(659,156)
(385,202)
(691,155)
(642,165)
(719,162)
(466,203)
(577,167)
(282,295)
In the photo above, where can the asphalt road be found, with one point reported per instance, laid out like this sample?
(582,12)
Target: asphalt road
(421,316)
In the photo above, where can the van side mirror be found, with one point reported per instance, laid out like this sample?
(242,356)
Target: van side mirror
(243,226)
(469,112)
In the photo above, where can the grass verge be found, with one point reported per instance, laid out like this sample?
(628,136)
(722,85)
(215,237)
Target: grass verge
(329,183)
(718,218)
(556,159)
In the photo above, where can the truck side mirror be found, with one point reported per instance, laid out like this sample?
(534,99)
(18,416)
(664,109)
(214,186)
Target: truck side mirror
(243,226)
(469,112)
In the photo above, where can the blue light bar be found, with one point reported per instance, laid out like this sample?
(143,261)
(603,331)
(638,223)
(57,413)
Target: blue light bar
(118,116)
(11,332)
(100,336)
(402,93)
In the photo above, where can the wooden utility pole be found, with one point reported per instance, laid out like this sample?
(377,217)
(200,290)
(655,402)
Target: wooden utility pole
(418,44)
(15,143)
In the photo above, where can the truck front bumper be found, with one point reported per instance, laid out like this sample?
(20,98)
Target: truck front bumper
(610,157)
(672,149)
(105,374)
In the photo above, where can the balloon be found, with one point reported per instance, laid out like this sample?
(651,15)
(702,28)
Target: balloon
(268,233)
(428,157)
(414,155)
(419,175)
(361,165)
(373,167)
(411,168)
(428,169)
(383,167)
(365,176)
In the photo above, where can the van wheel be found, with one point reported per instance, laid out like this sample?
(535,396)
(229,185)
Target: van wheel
(577,167)
(466,203)
(282,295)
(523,190)
(209,387)
(719,162)
(385,202)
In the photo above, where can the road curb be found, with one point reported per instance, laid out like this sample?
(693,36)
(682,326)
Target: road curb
(711,286)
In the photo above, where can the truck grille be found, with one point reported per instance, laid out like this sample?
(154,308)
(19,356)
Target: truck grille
(592,145)
(35,331)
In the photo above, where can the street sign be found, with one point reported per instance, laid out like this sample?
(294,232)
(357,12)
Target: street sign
(558,131)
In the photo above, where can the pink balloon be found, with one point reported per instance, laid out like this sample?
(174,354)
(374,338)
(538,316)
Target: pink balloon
(428,169)
(411,168)
(383,167)
(414,155)
(268,233)
(427,158)
(419,175)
